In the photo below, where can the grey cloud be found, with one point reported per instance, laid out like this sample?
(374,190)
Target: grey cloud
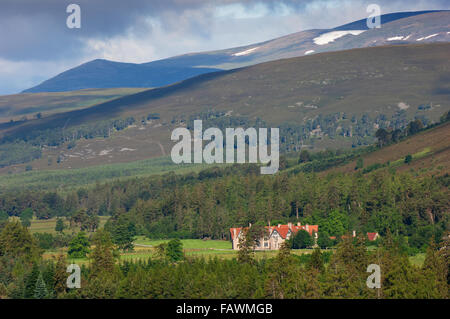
(35,32)
(31,29)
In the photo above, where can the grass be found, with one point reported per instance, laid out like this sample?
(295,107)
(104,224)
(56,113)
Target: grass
(48,225)
(187,243)
(417,260)
(71,178)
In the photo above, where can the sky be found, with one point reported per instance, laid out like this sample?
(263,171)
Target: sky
(36,44)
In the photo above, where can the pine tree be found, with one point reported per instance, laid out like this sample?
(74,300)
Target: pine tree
(316,261)
(30,281)
(59,225)
(60,275)
(435,271)
(174,250)
(102,255)
(40,292)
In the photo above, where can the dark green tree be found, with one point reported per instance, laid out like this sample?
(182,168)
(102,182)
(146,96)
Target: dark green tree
(359,163)
(31,280)
(40,292)
(301,240)
(17,242)
(324,240)
(408,159)
(316,261)
(59,225)
(304,157)
(78,246)
(103,253)
(174,250)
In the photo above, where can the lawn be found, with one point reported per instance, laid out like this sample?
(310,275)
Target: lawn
(187,243)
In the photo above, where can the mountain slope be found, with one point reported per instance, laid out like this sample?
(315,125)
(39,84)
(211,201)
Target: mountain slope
(19,106)
(429,149)
(403,27)
(335,100)
(109,74)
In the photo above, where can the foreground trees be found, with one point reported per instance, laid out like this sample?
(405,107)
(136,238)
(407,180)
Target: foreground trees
(24,274)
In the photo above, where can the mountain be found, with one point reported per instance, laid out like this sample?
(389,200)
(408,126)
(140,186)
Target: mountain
(333,99)
(402,27)
(108,74)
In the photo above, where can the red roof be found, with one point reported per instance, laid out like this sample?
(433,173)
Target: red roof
(238,230)
(372,236)
(283,230)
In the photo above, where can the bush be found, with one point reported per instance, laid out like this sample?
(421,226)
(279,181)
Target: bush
(301,240)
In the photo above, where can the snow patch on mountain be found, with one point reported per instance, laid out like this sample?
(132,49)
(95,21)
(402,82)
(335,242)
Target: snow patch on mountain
(309,52)
(246,52)
(333,35)
(427,37)
(403,106)
(395,38)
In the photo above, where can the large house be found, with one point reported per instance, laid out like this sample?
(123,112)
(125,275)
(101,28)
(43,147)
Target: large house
(274,235)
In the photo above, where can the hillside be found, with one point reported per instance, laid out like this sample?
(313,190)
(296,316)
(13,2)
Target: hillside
(336,99)
(18,106)
(402,27)
(430,151)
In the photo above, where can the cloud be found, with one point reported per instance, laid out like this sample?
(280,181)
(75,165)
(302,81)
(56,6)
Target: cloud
(34,33)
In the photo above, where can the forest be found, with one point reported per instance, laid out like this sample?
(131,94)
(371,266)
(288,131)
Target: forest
(408,210)
(24,274)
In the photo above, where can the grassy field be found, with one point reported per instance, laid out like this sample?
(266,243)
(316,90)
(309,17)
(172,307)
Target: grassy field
(48,225)
(70,178)
(187,243)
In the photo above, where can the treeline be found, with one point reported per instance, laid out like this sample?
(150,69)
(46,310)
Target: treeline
(26,146)
(23,273)
(391,135)
(208,203)
(360,130)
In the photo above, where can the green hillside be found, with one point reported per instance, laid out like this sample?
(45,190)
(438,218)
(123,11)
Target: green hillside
(26,106)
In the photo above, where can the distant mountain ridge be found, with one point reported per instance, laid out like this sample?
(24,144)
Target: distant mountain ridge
(402,27)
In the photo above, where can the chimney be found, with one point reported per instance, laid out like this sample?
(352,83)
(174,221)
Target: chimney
(279,225)
(249,225)
(234,233)
(354,233)
(307,228)
(290,226)
(298,224)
